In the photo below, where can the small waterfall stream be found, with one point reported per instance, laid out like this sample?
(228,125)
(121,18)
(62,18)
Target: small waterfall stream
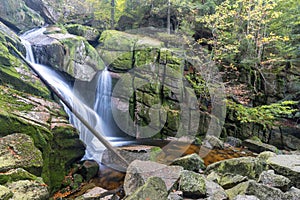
(99,116)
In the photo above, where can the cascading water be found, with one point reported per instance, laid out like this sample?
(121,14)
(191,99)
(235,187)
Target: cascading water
(99,117)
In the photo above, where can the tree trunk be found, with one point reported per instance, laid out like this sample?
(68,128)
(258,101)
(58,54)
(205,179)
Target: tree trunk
(112,14)
(169,18)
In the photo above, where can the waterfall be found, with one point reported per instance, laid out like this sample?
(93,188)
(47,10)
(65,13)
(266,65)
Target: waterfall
(99,116)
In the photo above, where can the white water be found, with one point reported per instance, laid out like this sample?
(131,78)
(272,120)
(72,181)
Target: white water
(100,120)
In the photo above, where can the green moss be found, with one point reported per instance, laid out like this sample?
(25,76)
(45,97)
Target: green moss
(16,175)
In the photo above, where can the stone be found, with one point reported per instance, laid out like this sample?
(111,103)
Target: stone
(177,195)
(18,150)
(132,153)
(89,169)
(5,193)
(230,180)
(233,141)
(244,166)
(258,146)
(19,16)
(68,53)
(215,191)
(259,190)
(16,175)
(264,156)
(292,194)
(89,33)
(245,197)
(71,11)
(154,188)
(138,173)
(96,192)
(28,190)
(212,142)
(192,162)
(288,166)
(269,178)
(192,184)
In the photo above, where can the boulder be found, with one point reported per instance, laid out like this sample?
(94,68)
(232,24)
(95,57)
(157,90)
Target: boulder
(258,146)
(18,150)
(288,166)
(212,142)
(90,34)
(68,53)
(269,178)
(25,189)
(138,173)
(89,169)
(154,188)
(292,194)
(71,11)
(16,175)
(192,162)
(259,190)
(233,141)
(96,192)
(18,16)
(227,180)
(5,193)
(214,191)
(192,184)
(244,166)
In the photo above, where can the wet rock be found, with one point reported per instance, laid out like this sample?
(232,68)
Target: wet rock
(154,188)
(259,190)
(245,197)
(244,166)
(18,150)
(269,178)
(258,146)
(26,189)
(138,173)
(5,193)
(288,166)
(192,162)
(89,169)
(192,184)
(68,53)
(131,153)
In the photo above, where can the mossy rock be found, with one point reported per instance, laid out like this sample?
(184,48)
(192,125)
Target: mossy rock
(244,166)
(5,193)
(18,150)
(19,16)
(89,33)
(16,175)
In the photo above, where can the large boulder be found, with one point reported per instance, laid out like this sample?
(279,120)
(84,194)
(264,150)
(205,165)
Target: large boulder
(138,172)
(18,16)
(288,166)
(68,53)
(259,190)
(244,166)
(54,11)
(154,188)
(18,150)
